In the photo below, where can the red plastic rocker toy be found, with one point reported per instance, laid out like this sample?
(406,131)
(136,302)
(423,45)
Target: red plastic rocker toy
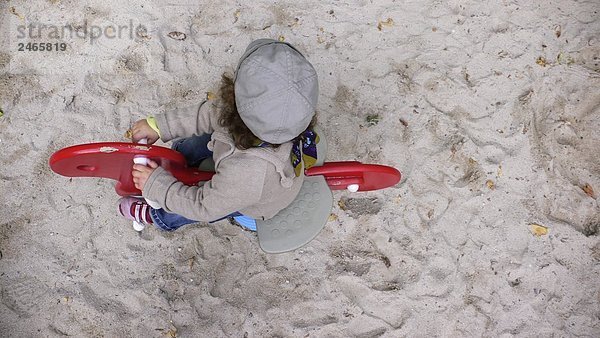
(291,228)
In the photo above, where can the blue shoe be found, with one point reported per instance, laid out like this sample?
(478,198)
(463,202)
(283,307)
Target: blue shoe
(246,222)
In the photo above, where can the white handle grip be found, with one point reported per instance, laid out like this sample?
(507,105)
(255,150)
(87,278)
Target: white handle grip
(143,160)
(353,187)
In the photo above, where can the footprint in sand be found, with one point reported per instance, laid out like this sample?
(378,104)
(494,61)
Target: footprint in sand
(25,296)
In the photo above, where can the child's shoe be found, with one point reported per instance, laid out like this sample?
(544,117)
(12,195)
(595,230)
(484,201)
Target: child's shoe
(244,222)
(136,210)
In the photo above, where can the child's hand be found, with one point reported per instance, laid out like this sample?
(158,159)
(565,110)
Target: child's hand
(141,173)
(141,130)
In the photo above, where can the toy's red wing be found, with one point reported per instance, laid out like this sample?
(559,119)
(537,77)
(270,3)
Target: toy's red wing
(339,175)
(114,160)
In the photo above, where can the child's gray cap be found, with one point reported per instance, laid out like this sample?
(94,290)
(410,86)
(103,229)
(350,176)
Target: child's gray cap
(276,91)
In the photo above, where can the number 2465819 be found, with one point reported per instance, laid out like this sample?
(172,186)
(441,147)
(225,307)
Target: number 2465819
(42,47)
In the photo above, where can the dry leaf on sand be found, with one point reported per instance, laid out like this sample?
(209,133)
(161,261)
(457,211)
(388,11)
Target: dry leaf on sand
(538,230)
(588,190)
(387,23)
(541,61)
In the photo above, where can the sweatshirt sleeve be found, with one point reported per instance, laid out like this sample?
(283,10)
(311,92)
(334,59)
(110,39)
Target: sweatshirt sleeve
(233,188)
(193,120)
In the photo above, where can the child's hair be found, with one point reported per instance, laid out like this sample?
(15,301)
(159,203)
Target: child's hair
(231,120)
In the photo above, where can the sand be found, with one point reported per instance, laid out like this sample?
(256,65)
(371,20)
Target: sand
(490,109)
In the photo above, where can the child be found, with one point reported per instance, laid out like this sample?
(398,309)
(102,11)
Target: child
(260,137)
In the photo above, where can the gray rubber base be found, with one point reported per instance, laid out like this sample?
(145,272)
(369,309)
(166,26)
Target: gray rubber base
(301,221)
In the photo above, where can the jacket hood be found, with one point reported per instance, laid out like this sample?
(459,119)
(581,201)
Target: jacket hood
(279,157)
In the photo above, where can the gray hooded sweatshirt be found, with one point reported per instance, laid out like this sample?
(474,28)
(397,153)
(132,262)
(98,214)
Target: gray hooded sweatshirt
(258,182)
